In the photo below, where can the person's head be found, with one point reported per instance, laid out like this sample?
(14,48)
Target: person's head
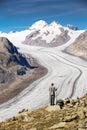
(52,84)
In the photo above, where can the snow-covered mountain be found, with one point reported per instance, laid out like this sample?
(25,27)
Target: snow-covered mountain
(43,34)
(48,35)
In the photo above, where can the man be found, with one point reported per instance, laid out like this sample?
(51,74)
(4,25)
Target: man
(52,90)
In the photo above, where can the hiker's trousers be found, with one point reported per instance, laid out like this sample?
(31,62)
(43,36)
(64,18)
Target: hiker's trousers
(52,99)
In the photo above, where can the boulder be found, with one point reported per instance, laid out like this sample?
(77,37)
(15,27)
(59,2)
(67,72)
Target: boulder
(60,103)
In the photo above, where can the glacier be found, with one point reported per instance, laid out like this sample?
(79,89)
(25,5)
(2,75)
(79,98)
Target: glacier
(67,72)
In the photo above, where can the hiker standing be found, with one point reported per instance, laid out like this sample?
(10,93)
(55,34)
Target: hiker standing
(52,91)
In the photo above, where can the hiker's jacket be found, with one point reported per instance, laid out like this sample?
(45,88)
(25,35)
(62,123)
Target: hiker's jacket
(52,90)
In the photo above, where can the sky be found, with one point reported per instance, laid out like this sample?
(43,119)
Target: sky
(18,15)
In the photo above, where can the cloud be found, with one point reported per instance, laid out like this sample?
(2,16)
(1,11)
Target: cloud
(29,8)
(66,13)
(34,6)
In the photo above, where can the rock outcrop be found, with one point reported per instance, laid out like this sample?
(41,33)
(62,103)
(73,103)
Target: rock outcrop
(9,55)
(72,27)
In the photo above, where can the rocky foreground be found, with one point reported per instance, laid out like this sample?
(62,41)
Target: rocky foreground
(68,114)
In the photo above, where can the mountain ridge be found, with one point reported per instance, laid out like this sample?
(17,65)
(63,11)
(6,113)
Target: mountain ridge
(42,23)
(42,34)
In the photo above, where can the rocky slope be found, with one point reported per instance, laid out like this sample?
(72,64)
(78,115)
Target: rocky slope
(16,71)
(10,59)
(79,47)
(71,116)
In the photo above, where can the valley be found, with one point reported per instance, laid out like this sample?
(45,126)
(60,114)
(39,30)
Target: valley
(67,72)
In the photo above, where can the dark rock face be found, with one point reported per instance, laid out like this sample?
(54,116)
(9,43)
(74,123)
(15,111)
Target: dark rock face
(19,59)
(21,71)
(72,27)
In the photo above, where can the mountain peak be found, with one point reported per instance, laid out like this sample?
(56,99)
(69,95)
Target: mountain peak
(9,54)
(54,23)
(72,27)
(38,25)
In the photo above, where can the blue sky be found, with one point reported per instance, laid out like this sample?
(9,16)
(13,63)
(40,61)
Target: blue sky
(19,14)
